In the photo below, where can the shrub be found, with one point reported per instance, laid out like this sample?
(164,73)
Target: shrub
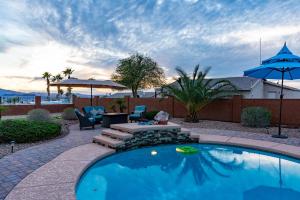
(150,115)
(69,114)
(256,117)
(41,115)
(23,130)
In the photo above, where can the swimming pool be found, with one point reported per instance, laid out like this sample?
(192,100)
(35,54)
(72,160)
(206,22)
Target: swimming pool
(215,172)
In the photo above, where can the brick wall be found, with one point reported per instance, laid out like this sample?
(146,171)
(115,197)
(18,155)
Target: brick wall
(222,110)
(228,110)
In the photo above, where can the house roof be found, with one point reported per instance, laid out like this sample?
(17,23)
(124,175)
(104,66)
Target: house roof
(245,83)
(241,83)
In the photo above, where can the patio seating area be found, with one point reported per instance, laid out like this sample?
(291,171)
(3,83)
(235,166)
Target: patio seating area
(93,115)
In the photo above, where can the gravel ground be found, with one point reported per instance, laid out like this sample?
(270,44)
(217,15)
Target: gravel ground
(291,132)
(5,149)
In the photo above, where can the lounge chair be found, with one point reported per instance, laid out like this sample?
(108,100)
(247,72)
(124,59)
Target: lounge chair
(95,112)
(84,120)
(138,113)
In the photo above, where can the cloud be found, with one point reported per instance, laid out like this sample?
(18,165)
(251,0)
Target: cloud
(92,36)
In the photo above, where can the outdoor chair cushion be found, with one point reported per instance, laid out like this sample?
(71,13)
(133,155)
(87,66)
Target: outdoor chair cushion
(95,110)
(136,115)
(138,112)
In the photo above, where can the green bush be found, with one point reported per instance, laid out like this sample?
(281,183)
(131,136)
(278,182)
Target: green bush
(150,115)
(256,117)
(22,131)
(41,115)
(69,114)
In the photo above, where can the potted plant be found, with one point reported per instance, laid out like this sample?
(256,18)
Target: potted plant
(118,104)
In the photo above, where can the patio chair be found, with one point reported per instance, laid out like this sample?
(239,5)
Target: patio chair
(138,113)
(95,112)
(84,120)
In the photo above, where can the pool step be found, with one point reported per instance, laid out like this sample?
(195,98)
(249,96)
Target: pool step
(107,141)
(116,134)
(194,136)
(185,131)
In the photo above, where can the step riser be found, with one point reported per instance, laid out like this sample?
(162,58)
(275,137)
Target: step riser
(116,134)
(107,141)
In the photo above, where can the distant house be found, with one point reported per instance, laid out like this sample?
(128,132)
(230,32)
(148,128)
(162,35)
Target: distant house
(253,88)
(141,94)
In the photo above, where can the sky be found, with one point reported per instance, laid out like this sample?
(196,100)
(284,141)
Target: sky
(92,35)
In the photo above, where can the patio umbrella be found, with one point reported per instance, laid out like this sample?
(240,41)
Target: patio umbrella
(74,82)
(285,65)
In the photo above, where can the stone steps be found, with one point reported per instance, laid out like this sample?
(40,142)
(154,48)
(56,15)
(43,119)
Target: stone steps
(123,136)
(108,141)
(184,131)
(116,134)
(194,136)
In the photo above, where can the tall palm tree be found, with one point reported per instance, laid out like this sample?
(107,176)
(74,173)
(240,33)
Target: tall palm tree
(195,91)
(47,76)
(57,78)
(67,73)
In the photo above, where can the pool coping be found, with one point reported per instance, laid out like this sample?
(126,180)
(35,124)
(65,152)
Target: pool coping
(267,146)
(58,178)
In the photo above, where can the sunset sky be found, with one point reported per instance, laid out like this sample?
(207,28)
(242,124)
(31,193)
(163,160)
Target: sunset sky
(91,36)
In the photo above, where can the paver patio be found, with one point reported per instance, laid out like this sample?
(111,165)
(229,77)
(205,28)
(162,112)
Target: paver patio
(15,167)
(57,179)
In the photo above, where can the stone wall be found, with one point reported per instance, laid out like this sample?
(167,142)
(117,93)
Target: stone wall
(155,137)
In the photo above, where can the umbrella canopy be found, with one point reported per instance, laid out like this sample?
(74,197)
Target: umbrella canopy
(284,65)
(73,82)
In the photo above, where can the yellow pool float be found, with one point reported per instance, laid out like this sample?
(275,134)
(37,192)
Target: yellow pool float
(187,150)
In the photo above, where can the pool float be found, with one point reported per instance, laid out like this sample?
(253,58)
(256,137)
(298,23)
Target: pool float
(187,150)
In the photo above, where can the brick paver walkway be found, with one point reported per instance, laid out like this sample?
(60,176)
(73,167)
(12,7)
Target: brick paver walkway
(15,167)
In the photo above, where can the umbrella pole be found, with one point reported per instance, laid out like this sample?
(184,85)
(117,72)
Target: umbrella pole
(280,110)
(91,95)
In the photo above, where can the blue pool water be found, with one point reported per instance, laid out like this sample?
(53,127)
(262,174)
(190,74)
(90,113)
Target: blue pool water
(215,172)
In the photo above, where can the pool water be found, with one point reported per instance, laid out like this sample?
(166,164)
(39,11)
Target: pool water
(215,172)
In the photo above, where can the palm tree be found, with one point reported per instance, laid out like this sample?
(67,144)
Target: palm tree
(67,73)
(47,76)
(61,92)
(57,78)
(195,92)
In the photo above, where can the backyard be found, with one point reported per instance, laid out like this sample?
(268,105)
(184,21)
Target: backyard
(206,125)
(192,137)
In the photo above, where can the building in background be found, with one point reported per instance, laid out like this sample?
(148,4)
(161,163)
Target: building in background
(141,94)
(253,88)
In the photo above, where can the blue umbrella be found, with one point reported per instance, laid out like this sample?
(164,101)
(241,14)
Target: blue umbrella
(285,65)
